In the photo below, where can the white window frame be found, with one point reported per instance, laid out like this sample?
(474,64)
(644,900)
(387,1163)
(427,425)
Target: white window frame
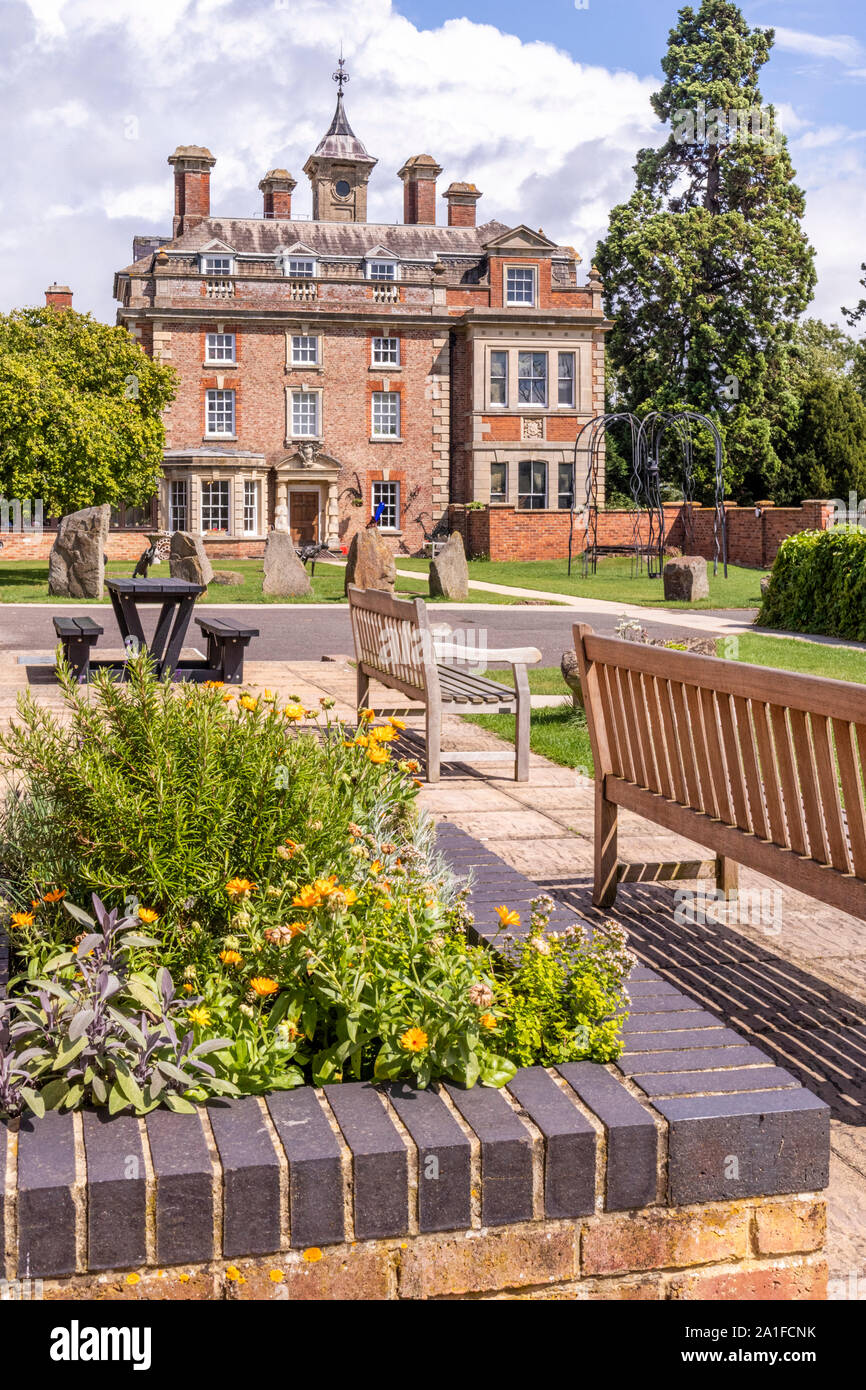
(217,263)
(178,488)
(503,496)
(561,380)
(532,494)
(308,398)
(382,269)
(533,379)
(224,486)
(392,507)
(511,295)
(306,338)
(252,496)
(385,357)
(215,345)
(300,267)
(216,400)
(503,353)
(386,405)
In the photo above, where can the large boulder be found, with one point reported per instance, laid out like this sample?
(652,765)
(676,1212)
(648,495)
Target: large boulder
(227,577)
(187,559)
(76,565)
(370,562)
(285,576)
(449,572)
(686,579)
(571,675)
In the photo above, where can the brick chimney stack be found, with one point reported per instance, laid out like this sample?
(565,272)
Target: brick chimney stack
(461,199)
(419,175)
(58,296)
(192,165)
(277,187)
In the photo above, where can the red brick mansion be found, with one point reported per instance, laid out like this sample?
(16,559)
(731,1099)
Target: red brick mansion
(332,366)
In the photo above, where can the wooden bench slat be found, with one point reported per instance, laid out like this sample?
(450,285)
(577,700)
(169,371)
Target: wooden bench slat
(686,745)
(675,765)
(828,793)
(846,740)
(770,774)
(629,767)
(602,677)
(739,799)
(707,801)
(796,829)
(808,780)
(712,733)
(637,748)
(745,733)
(656,723)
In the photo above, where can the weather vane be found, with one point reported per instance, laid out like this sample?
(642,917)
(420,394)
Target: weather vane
(340,77)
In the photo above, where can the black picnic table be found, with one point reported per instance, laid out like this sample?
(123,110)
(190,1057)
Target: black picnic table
(176,598)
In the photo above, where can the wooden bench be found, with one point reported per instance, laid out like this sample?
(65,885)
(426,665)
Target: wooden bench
(395,645)
(78,636)
(227,641)
(764,767)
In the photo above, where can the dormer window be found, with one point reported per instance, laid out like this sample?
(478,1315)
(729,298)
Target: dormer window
(520,285)
(381,270)
(300,267)
(216,265)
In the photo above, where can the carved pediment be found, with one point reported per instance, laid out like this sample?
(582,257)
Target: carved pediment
(521,238)
(309,457)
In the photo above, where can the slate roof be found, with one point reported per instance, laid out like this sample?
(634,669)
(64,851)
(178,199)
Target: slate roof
(340,140)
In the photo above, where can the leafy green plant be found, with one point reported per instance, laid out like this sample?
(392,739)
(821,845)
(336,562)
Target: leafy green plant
(818,584)
(93,1030)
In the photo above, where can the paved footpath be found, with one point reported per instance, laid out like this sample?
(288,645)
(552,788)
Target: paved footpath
(792,975)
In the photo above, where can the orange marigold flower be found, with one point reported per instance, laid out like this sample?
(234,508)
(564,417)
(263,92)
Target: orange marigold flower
(366,714)
(35,903)
(416,782)
(326,885)
(376,867)
(295,712)
(383,733)
(231,957)
(248,702)
(487,1020)
(263,986)
(350,896)
(188,988)
(240,887)
(508,917)
(397,723)
(414,1040)
(307,897)
(147,914)
(55,895)
(227,699)
(269,696)
(23,919)
(214,685)
(378,755)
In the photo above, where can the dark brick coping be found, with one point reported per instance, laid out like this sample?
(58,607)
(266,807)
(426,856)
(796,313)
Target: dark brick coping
(691,1114)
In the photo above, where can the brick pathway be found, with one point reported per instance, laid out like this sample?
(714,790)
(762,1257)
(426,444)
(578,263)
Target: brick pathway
(796,986)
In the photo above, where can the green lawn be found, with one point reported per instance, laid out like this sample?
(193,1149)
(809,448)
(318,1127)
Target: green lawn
(613,580)
(812,658)
(26,581)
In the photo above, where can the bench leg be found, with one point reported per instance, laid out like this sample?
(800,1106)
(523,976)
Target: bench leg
(605,850)
(522,725)
(76,650)
(232,660)
(362,689)
(434,741)
(727,875)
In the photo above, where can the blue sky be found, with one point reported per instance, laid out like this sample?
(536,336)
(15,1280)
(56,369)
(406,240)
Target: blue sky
(543,105)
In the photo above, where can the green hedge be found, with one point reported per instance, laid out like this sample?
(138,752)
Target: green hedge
(818,584)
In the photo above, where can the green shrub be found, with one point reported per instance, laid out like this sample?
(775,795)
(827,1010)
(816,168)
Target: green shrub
(818,584)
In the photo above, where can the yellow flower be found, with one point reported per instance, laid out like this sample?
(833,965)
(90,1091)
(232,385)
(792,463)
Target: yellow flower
(263,986)
(307,897)
(414,1040)
(507,916)
(383,733)
(416,782)
(294,712)
(147,914)
(240,887)
(325,886)
(184,1278)
(212,685)
(377,754)
(376,867)
(55,895)
(200,1016)
(248,702)
(133,1278)
(36,903)
(312,1255)
(269,696)
(361,741)
(366,714)
(350,895)
(23,919)
(397,723)
(410,765)
(231,957)
(487,1020)
(188,988)
(234,1274)
(227,699)
(276,1276)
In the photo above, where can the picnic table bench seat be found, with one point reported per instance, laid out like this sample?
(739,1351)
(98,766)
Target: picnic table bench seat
(78,636)
(227,640)
(395,646)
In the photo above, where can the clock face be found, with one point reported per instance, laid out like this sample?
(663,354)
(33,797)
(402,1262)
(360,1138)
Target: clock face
(342,188)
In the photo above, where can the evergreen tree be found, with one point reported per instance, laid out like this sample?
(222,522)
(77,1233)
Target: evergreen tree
(826,453)
(80,411)
(707,264)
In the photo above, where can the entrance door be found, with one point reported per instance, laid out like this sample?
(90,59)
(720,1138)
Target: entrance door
(304,517)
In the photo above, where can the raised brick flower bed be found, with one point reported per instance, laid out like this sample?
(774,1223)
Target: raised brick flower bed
(690,1170)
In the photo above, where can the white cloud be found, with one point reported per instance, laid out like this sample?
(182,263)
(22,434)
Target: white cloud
(841,48)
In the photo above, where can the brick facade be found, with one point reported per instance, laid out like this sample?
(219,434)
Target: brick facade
(442,291)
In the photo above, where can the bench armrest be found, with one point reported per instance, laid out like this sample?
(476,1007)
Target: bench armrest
(517,656)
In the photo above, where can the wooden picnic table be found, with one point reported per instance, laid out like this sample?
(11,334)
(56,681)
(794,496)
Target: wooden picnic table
(176,598)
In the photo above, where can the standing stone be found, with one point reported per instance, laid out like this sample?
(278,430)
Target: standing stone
(449,572)
(570,669)
(76,565)
(187,559)
(686,579)
(370,563)
(285,576)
